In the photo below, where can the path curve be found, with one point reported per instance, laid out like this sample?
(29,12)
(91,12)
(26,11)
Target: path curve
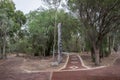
(76,70)
(74,63)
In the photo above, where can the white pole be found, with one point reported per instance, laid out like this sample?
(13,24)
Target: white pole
(59,43)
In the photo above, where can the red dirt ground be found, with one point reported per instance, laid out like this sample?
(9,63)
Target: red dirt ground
(10,69)
(73,63)
(107,73)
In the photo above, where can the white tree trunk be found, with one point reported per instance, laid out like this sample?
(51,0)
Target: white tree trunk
(55,27)
(4,45)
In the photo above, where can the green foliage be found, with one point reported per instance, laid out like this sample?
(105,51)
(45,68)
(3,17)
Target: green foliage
(11,22)
(99,18)
(41,28)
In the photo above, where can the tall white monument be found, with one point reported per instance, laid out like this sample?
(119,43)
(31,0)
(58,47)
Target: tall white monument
(59,43)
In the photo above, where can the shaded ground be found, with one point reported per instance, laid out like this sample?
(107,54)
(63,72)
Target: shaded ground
(106,73)
(106,61)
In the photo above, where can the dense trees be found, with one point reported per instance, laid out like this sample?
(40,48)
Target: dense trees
(86,26)
(41,30)
(99,18)
(39,34)
(10,23)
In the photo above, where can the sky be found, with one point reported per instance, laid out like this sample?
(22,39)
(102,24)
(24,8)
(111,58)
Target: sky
(27,5)
(30,5)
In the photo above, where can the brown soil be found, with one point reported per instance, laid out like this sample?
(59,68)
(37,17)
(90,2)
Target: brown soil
(109,73)
(44,64)
(16,68)
(106,73)
(117,62)
(106,61)
(73,63)
(10,69)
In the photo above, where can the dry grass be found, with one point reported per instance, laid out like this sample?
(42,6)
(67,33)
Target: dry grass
(106,61)
(44,64)
(29,63)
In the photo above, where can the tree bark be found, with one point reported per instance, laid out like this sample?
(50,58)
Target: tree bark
(109,45)
(4,46)
(0,53)
(92,54)
(97,55)
(54,44)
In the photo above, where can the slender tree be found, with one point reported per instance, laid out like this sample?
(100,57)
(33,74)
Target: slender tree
(10,22)
(55,4)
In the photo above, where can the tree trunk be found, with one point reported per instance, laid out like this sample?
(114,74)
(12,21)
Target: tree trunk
(97,55)
(92,54)
(101,51)
(44,52)
(113,42)
(76,44)
(4,46)
(101,54)
(109,45)
(55,27)
(0,53)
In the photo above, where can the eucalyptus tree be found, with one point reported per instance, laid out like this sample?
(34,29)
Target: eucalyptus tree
(99,17)
(40,28)
(10,21)
(3,29)
(55,5)
(5,23)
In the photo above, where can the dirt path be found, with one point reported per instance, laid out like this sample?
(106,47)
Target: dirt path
(74,63)
(78,72)
(10,69)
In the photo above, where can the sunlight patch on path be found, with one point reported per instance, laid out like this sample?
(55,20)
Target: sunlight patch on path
(73,62)
(73,67)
